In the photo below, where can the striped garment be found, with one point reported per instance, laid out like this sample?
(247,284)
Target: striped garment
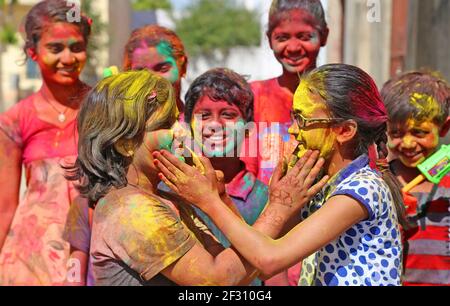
(428,257)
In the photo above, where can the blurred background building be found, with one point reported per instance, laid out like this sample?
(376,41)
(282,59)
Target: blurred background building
(384,37)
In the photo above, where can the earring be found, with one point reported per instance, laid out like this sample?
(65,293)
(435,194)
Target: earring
(125,147)
(128,149)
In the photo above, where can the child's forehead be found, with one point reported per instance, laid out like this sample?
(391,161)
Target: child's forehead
(418,106)
(413,123)
(425,103)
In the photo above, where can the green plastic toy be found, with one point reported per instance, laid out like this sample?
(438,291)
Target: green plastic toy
(434,168)
(437,166)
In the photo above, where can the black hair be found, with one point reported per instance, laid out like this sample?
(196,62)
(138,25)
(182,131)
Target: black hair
(418,95)
(220,84)
(279,8)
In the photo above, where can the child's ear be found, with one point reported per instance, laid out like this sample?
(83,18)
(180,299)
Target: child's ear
(346,131)
(445,128)
(324,37)
(125,147)
(270,40)
(183,64)
(32,53)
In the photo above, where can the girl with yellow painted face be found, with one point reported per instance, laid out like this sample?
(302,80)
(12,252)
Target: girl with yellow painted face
(353,223)
(142,235)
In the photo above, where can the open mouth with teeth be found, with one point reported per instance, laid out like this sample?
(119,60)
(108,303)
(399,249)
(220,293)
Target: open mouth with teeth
(216,141)
(411,155)
(294,60)
(412,158)
(68,70)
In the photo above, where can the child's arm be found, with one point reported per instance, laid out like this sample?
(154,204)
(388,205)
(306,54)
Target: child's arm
(272,256)
(77,268)
(10,175)
(288,195)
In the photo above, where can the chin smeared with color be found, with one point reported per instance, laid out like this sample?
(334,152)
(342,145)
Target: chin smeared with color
(316,136)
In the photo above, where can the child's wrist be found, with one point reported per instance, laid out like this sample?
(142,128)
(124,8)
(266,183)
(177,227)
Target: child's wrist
(209,202)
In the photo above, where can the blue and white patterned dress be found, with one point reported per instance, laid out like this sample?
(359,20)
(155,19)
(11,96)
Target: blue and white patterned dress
(370,252)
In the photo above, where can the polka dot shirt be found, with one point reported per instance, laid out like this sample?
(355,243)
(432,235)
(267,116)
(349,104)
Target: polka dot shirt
(370,252)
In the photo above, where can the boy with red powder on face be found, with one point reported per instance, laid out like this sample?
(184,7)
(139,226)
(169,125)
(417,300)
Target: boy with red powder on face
(297,30)
(418,107)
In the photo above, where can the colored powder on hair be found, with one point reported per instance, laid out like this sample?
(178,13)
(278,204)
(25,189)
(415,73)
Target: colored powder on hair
(166,50)
(427,107)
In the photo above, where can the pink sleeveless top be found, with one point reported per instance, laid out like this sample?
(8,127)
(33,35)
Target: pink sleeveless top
(34,252)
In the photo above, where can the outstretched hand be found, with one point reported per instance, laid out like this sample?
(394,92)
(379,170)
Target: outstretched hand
(198,185)
(294,190)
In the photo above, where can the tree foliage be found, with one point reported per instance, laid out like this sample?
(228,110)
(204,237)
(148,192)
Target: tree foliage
(217,25)
(8,32)
(95,42)
(144,5)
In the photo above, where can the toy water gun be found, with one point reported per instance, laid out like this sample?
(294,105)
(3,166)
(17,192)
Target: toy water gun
(435,168)
(110,71)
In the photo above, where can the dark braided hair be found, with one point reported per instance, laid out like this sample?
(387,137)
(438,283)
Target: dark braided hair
(351,94)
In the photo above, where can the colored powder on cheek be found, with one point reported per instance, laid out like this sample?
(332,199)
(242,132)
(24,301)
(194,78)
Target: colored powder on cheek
(390,145)
(46,60)
(165,140)
(315,38)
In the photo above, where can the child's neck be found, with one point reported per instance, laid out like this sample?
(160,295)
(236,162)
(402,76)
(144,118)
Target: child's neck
(63,94)
(406,174)
(230,167)
(290,81)
(140,180)
(336,163)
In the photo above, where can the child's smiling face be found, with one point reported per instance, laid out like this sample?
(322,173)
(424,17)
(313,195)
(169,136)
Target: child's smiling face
(414,141)
(296,42)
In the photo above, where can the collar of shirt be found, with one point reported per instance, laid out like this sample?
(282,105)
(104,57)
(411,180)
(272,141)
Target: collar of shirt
(242,185)
(353,167)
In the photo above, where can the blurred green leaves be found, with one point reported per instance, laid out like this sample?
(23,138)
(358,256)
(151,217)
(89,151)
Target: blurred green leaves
(8,32)
(8,35)
(208,26)
(148,5)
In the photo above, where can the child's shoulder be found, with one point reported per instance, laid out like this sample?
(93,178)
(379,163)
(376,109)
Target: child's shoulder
(130,200)
(364,176)
(445,183)
(263,84)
